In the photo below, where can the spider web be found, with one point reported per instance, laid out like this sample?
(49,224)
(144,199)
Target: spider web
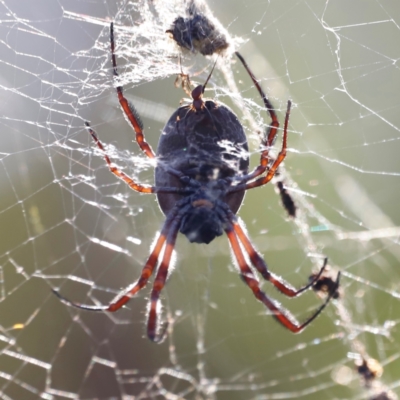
(68,223)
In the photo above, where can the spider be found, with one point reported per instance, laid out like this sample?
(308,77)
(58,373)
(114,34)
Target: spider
(200,181)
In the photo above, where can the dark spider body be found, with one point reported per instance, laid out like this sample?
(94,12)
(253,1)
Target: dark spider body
(209,146)
(200,180)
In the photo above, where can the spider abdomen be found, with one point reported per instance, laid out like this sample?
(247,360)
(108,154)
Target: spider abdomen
(206,145)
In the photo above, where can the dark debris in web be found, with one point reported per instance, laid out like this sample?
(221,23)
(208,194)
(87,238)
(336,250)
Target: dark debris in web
(198,31)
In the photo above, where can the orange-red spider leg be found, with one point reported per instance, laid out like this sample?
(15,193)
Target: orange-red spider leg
(128,109)
(283,286)
(283,316)
(129,181)
(145,275)
(281,156)
(122,298)
(273,128)
(153,331)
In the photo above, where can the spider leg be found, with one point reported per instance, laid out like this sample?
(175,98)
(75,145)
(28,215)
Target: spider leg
(129,181)
(271,171)
(153,331)
(283,316)
(283,286)
(272,129)
(281,156)
(128,108)
(267,142)
(123,297)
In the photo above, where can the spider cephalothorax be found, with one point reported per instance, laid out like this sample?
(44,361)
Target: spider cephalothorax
(200,181)
(201,224)
(206,213)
